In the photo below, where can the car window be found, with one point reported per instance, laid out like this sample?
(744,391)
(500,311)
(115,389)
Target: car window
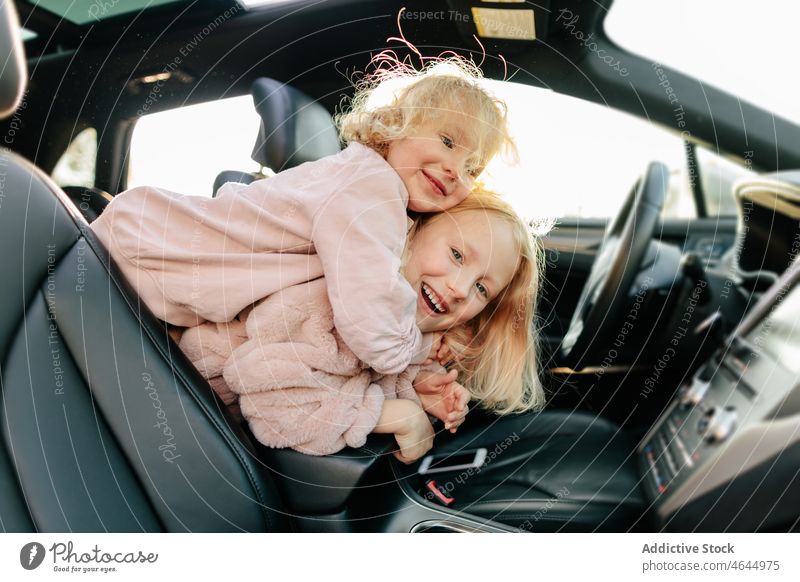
(76,167)
(751,56)
(576,159)
(184,149)
(579,159)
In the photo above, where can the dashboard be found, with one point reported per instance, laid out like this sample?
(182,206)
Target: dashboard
(725,454)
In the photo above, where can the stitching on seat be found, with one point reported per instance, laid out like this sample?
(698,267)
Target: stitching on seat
(223,430)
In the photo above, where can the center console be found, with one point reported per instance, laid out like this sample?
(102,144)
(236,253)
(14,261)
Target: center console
(725,454)
(362,490)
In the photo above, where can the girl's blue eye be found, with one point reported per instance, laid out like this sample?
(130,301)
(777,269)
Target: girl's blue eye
(457,255)
(448,142)
(482,289)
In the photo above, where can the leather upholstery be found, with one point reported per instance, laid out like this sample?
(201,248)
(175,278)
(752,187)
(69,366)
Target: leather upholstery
(90,201)
(232,176)
(294,128)
(105,425)
(552,471)
(326,485)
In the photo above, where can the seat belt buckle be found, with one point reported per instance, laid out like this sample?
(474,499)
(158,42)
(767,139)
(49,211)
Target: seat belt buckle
(434,493)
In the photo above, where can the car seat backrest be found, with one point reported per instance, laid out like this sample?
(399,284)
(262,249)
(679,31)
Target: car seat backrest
(226,176)
(104,424)
(89,200)
(294,129)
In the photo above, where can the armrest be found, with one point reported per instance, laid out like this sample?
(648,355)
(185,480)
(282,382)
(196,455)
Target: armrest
(323,485)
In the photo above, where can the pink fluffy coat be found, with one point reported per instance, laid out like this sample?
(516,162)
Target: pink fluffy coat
(283,367)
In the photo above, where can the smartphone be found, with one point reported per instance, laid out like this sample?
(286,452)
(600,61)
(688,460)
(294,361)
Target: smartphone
(456,461)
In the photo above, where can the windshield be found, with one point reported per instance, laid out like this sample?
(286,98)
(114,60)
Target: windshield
(745,48)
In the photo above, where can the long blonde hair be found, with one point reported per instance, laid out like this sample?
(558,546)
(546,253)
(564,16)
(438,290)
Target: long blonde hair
(499,346)
(445,86)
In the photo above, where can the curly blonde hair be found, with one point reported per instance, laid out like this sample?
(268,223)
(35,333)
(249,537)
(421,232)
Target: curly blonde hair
(446,87)
(499,346)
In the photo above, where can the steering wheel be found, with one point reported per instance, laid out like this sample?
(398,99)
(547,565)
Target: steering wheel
(604,297)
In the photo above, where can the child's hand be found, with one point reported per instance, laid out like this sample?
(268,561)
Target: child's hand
(443,397)
(459,413)
(441,351)
(445,353)
(415,438)
(438,341)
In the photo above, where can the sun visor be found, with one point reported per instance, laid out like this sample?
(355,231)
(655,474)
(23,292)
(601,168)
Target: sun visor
(502,26)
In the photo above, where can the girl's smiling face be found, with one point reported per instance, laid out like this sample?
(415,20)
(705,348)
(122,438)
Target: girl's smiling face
(434,164)
(457,264)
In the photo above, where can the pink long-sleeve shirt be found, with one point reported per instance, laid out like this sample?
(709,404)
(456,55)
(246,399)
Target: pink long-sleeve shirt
(194,259)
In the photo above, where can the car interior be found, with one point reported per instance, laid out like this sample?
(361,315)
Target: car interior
(669,346)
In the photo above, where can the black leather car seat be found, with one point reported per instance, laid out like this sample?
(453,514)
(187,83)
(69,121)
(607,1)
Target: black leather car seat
(90,201)
(555,471)
(105,426)
(294,129)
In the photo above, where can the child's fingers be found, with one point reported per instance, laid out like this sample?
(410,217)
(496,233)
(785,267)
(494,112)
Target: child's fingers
(452,417)
(454,420)
(399,456)
(463,399)
(451,396)
(444,380)
(451,404)
(456,416)
(452,426)
(459,396)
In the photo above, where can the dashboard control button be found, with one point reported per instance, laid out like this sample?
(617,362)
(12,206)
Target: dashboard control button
(694,394)
(717,424)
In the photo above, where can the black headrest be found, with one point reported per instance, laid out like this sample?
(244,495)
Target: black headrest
(294,128)
(13,72)
(231,176)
